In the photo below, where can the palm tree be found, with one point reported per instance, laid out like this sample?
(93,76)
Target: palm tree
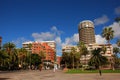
(22,56)
(83,50)
(9,48)
(30,52)
(16,58)
(72,55)
(108,34)
(35,59)
(42,55)
(65,59)
(97,59)
(3,57)
(77,59)
(115,57)
(116,50)
(118,42)
(104,49)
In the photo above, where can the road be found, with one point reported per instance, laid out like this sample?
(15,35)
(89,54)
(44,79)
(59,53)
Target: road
(58,75)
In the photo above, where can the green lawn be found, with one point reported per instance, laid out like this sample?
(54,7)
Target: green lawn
(71,71)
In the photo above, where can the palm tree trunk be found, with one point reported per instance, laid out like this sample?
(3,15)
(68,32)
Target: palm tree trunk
(100,71)
(73,62)
(65,65)
(85,60)
(112,60)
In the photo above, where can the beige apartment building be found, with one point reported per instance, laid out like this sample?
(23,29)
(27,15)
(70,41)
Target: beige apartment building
(90,47)
(68,48)
(87,36)
(108,53)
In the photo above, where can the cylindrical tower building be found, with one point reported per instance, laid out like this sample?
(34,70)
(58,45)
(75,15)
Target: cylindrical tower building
(86,32)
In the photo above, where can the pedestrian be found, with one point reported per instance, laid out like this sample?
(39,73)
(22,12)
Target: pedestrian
(55,67)
(20,66)
(40,67)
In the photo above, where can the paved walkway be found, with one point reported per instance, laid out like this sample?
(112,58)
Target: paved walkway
(58,75)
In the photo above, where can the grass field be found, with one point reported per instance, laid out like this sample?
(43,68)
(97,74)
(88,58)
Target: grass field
(75,71)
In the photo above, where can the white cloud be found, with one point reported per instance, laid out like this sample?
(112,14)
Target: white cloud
(117,10)
(116,27)
(46,36)
(71,40)
(43,36)
(56,31)
(101,20)
(100,39)
(58,40)
(18,42)
(114,45)
(54,28)
(75,39)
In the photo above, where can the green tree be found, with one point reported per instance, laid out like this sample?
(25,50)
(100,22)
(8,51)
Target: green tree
(97,59)
(118,42)
(116,50)
(108,34)
(72,56)
(104,49)
(83,50)
(65,59)
(3,59)
(9,48)
(30,52)
(115,57)
(42,56)
(77,59)
(22,56)
(35,59)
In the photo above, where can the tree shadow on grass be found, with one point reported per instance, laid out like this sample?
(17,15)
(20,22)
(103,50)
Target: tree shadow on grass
(4,78)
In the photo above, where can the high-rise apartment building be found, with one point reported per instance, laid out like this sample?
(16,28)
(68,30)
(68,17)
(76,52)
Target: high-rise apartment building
(52,44)
(27,45)
(86,32)
(49,47)
(37,47)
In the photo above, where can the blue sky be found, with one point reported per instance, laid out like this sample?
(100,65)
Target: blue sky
(36,20)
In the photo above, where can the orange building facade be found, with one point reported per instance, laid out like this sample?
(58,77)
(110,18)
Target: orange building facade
(37,47)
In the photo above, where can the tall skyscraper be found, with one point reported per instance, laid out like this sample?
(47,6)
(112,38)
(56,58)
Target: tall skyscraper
(86,32)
